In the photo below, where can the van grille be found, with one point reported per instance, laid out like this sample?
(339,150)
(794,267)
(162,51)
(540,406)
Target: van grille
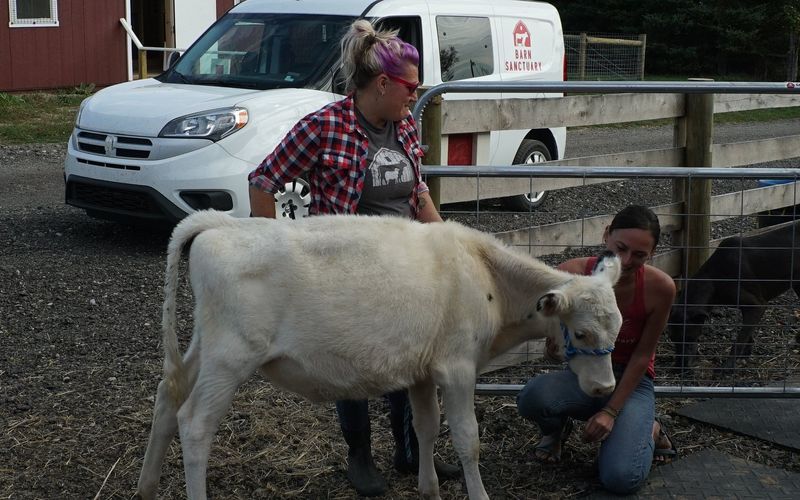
(104,197)
(118,146)
(109,165)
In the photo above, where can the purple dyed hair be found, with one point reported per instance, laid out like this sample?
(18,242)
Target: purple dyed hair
(394,55)
(366,53)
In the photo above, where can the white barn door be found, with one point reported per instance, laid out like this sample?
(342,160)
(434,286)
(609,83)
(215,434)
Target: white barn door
(192,18)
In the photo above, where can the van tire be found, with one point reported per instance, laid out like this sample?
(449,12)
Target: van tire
(530,151)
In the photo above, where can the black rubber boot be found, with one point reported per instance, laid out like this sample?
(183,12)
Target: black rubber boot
(361,470)
(406,451)
(363,474)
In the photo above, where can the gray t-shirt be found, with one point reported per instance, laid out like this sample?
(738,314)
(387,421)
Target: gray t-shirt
(389,179)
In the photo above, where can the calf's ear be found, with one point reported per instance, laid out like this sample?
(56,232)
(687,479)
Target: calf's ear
(553,303)
(608,266)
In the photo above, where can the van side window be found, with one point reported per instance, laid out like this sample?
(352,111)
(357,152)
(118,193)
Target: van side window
(465,47)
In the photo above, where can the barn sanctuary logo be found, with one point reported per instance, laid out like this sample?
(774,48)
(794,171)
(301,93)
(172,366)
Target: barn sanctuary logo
(523,52)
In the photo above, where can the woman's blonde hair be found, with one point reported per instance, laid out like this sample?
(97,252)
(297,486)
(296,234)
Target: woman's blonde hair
(367,52)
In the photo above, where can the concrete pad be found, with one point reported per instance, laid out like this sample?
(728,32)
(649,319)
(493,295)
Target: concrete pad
(773,420)
(710,474)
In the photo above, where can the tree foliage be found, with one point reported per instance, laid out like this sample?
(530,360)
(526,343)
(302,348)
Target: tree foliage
(713,38)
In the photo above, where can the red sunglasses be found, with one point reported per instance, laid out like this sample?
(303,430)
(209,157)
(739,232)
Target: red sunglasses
(411,87)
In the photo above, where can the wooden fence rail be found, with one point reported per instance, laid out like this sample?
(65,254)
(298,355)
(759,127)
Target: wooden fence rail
(693,115)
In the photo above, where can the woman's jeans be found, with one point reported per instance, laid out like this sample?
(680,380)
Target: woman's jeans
(627,454)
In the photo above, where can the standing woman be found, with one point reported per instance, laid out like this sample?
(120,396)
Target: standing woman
(362,156)
(624,421)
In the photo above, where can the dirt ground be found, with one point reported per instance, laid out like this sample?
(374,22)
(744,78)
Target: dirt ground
(80,358)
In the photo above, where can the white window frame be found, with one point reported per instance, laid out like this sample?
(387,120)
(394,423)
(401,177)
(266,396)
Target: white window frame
(40,22)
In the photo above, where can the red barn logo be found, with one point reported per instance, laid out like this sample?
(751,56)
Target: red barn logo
(523,59)
(522,37)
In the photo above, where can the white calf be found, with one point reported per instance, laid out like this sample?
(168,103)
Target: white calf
(344,307)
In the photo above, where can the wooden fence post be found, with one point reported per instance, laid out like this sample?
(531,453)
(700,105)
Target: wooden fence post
(642,47)
(699,131)
(582,57)
(432,138)
(142,64)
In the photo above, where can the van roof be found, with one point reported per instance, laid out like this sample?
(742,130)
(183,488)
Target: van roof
(350,7)
(339,7)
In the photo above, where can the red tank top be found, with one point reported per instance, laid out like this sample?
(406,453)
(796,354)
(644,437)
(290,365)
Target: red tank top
(633,319)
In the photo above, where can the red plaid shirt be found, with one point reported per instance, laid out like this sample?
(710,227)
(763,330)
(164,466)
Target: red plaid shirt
(331,147)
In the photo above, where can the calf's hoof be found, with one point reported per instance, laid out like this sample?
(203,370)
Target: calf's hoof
(144,495)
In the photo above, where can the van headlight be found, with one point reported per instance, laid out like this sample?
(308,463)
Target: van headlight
(213,125)
(80,111)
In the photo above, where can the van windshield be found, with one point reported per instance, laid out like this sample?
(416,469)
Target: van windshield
(263,51)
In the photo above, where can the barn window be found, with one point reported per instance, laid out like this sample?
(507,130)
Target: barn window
(29,13)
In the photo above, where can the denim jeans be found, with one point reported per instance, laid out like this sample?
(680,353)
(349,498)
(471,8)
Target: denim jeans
(627,454)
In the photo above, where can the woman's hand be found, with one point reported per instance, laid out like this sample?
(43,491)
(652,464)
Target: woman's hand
(598,427)
(551,351)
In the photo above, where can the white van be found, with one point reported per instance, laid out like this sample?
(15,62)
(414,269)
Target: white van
(159,148)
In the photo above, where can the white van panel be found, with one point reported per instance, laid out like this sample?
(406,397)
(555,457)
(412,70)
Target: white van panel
(533,49)
(529,49)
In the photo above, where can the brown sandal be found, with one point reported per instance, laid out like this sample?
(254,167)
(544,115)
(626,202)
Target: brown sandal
(544,451)
(662,456)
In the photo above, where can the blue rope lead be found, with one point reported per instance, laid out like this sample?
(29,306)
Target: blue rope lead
(570,350)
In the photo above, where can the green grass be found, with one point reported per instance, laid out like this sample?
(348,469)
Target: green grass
(755,115)
(758,115)
(43,117)
(40,117)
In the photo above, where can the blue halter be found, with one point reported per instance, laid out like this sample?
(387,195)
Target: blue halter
(571,351)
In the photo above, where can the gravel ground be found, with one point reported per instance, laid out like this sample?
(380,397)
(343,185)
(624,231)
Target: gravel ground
(80,358)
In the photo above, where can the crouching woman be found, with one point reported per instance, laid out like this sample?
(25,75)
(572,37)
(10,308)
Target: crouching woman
(624,422)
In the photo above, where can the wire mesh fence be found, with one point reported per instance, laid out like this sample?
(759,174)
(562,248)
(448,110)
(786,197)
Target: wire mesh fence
(605,56)
(694,352)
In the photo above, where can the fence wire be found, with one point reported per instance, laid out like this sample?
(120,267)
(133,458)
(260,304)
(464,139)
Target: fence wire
(604,56)
(570,223)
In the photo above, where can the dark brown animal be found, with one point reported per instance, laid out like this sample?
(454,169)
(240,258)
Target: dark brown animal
(743,272)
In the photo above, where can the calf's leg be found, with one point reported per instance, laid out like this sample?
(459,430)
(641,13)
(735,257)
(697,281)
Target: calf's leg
(222,371)
(163,429)
(425,408)
(459,401)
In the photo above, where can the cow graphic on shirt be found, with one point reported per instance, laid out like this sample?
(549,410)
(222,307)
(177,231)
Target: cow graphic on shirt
(390,167)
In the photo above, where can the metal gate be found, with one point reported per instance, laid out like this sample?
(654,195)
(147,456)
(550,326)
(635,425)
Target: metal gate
(751,200)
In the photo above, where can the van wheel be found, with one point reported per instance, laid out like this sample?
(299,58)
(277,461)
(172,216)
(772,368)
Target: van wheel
(530,151)
(293,201)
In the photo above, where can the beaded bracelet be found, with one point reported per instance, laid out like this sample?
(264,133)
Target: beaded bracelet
(610,411)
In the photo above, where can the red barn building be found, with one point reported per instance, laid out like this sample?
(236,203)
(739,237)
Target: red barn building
(47,44)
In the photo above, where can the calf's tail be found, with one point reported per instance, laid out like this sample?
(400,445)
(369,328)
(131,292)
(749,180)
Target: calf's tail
(184,232)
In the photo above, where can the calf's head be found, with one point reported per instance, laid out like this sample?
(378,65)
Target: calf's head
(590,323)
